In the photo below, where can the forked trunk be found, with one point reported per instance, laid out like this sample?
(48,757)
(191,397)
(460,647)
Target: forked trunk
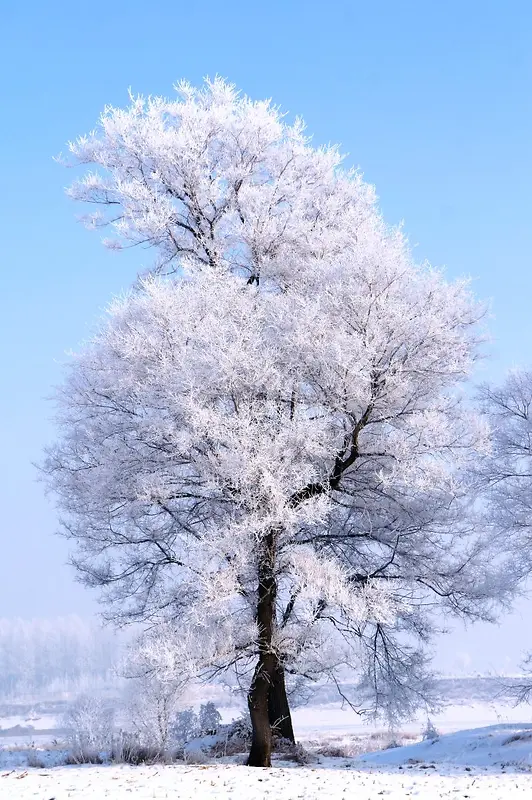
(278,707)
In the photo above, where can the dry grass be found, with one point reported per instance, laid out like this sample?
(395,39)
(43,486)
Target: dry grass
(34,760)
(83,756)
(354,746)
(229,747)
(196,757)
(518,737)
(134,753)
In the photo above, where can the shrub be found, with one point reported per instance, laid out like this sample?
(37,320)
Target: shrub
(34,760)
(234,738)
(210,719)
(430,734)
(195,757)
(391,745)
(188,725)
(127,749)
(89,725)
(294,752)
(332,751)
(83,756)
(185,727)
(240,729)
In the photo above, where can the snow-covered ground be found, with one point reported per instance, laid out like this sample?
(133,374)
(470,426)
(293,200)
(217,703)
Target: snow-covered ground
(241,783)
(502,746)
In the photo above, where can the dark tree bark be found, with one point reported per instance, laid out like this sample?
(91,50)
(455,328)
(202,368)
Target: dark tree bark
(260,754)
(278,706)
(258,697)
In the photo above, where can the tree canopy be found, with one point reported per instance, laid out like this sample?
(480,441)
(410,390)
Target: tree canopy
(265,444)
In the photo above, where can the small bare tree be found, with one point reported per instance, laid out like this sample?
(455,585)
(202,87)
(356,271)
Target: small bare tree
(89,723)
(155,687)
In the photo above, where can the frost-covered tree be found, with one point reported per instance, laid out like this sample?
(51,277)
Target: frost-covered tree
(157,679)
(265,448)
(506,471)
(89,725)
(209,719)
(505,478)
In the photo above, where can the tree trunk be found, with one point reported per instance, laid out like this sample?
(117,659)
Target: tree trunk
(258,697)
(260,754)
(278,707)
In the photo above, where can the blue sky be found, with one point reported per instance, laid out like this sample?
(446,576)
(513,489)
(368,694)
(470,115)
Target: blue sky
(432,100)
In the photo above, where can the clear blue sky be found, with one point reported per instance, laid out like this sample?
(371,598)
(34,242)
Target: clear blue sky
(431,99)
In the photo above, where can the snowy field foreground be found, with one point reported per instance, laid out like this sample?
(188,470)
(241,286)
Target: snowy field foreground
(492,763)
(241,783)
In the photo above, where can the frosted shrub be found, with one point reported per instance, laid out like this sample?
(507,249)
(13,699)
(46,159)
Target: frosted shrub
(430,733)
(34,760)
(157,681)
(89,724)
(185,727)
(210,719)
(233,738)
(296,753)
(128,749)
(392,744)
(240,729)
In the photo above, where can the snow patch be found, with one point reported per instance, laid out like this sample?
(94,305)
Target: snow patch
(493,746)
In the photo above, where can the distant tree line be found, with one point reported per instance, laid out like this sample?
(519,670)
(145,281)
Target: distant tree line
(54,655)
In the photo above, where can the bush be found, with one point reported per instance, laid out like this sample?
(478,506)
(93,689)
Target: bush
(83,756)
(332,751)
(195,757)
(89,725)
(392,745)
(240,729)
(294,752)
(127,749)
(185,727)
(210,719)
(188,725)
(234,738)
(34,760)
(430,734)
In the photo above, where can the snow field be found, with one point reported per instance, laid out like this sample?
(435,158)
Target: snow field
(298,783)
